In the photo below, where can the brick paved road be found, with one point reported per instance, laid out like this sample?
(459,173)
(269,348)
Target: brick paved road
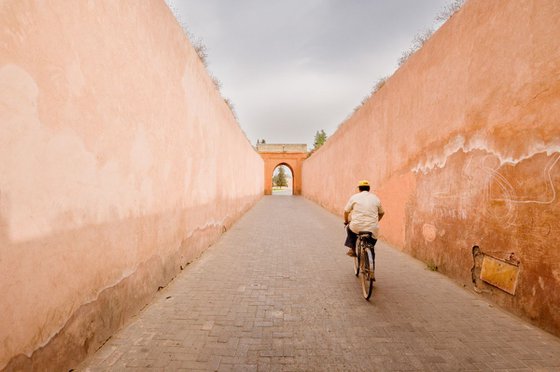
(277,292)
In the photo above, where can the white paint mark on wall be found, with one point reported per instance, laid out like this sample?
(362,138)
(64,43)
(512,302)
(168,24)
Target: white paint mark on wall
(478,142)
(493,176)
(541,282)
(548,180)
(482,180)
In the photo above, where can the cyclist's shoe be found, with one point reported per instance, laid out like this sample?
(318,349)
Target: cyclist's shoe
(351,253)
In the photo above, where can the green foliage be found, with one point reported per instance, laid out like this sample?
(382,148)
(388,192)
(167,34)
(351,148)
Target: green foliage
(320,139)
(280,179)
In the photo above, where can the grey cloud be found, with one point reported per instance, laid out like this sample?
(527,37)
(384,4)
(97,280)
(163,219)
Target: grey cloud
(294,67)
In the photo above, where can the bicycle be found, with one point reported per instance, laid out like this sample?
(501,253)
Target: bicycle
(364,261)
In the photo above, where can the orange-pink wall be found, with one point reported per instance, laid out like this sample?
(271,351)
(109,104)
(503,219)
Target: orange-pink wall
(114,151)
(463,144)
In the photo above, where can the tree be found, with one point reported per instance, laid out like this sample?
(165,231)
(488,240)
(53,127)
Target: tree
(280,179)
(320,139)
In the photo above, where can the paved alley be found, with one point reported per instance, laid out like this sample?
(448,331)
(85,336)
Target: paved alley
(278,293)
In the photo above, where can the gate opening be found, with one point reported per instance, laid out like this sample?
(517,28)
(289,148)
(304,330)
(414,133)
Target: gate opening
(282,181)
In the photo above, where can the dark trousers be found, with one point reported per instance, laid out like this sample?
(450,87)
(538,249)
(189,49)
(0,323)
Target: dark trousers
(352,238)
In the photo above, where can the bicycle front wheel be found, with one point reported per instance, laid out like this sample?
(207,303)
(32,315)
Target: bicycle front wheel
(368,269)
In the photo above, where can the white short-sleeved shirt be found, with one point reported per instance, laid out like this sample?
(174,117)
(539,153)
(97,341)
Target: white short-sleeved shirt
(365,208)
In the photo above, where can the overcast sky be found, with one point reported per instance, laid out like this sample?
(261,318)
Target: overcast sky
(292,67)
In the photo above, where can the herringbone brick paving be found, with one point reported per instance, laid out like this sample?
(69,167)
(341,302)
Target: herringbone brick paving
(277,293)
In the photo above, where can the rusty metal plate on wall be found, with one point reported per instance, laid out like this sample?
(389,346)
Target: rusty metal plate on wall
(499,274)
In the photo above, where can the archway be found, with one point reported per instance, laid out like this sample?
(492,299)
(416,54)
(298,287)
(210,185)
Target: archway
(282,180)
(289,155)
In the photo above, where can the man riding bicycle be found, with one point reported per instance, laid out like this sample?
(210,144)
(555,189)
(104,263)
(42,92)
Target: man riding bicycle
(366,211)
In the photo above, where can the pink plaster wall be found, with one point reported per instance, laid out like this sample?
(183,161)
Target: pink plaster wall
(463,144)
(116,160)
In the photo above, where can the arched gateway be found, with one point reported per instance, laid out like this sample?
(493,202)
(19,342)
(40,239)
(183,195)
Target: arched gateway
(282,154)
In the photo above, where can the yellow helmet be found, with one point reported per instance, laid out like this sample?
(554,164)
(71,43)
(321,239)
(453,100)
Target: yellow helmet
(363,183)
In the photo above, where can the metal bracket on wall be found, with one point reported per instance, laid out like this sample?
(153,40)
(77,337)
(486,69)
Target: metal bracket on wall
(499,273)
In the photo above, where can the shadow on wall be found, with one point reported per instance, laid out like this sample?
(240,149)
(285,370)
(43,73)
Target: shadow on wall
(83,326)
(106,204)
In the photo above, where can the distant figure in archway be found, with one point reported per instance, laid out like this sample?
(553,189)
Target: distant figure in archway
(362,213)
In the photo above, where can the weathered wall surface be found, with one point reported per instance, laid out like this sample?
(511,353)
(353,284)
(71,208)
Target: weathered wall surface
(463,146)
(114,151)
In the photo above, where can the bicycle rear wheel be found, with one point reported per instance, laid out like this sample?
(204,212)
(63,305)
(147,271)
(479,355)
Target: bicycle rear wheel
(357,259)
(368,268)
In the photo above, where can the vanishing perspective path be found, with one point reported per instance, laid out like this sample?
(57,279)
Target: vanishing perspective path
(277,293)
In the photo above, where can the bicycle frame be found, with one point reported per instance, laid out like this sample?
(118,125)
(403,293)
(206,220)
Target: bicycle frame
(364,263)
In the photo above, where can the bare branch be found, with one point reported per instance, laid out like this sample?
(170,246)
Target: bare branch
(449,9)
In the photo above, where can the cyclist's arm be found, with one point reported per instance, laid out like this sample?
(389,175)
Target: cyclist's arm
(348,210)
(380,213)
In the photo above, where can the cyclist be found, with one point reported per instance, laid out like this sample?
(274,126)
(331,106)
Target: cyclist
(366,211)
